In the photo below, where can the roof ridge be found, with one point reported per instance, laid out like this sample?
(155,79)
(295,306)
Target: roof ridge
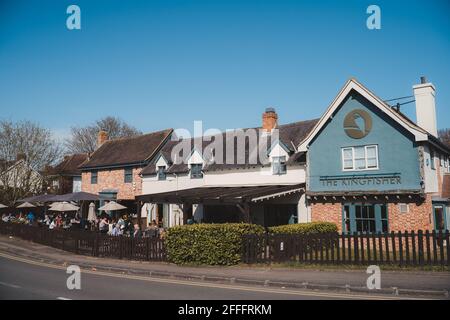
(138,136)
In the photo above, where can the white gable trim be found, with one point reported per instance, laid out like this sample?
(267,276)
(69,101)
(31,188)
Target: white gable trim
(161,162)
(352,84)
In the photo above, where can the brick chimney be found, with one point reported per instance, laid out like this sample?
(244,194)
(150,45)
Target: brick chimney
(102,137)
(426,106)
(21,156)
(269,119)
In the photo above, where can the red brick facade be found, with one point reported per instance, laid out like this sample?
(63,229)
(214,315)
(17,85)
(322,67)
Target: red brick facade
(418,217)
(113,179)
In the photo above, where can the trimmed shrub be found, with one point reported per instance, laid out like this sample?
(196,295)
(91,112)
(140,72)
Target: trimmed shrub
(305,228)
(212,244)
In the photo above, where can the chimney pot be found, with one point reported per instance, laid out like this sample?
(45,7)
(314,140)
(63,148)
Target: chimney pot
(270,119)
(102,137)
(423,79)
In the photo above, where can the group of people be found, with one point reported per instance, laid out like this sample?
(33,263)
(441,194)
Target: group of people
(124,226)
(104,224)
(20,218)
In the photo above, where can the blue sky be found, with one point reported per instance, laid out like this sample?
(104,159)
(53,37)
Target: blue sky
(160,64)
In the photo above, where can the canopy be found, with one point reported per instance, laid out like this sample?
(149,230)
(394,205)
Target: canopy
(39,198)
(3,206)
(222,195)
(112,206)
(26,205)
(63,207)
(75,196)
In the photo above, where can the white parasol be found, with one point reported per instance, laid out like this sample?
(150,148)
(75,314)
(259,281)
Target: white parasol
(112,206)
(91,213)
(26,205)
(63,207)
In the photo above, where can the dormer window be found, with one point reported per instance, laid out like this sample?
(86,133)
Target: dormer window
(196,171)
(161,173)
(279,165)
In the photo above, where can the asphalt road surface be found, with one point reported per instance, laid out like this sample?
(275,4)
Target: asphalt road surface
(25,279)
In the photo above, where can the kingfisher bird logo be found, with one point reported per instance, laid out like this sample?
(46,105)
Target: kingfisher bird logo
(357,124)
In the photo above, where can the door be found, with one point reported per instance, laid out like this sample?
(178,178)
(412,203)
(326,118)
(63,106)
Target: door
(439,218)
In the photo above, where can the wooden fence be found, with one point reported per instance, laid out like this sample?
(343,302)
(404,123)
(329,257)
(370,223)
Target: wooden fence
(397,248)
(90,243)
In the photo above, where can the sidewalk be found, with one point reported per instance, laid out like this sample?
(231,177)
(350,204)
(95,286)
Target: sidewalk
(407,282)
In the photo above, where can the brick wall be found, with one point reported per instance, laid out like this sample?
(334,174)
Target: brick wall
(419,216)
(113,179)
(327,212)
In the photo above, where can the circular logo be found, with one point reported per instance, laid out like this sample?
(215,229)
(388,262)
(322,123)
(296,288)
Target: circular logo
(357,124)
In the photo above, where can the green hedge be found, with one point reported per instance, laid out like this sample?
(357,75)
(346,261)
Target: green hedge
(305,228)
(212,244)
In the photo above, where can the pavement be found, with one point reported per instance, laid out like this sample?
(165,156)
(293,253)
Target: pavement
(401,284)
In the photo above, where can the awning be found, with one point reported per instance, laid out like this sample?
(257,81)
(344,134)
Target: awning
(222,195)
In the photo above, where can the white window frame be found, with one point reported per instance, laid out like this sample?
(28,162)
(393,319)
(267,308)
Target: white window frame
(405,206)
(365,157)
(277,163)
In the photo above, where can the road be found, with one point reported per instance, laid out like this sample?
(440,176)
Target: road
(26,279)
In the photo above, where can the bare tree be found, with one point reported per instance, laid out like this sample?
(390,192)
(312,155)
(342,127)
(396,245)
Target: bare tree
(26,150)
(444,135)
(84,139)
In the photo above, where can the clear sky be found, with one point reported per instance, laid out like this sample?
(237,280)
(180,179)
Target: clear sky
(160,64)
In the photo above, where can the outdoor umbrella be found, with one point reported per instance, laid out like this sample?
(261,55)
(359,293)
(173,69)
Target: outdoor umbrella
(77,196)
(39,198)
(112,206)
(63,207)
(91,212)
(3,206)
(26,205)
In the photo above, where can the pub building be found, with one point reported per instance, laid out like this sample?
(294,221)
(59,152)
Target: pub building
(371,168)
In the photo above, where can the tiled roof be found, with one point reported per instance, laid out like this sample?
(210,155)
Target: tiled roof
(127,151)
(289,134)
(70,165)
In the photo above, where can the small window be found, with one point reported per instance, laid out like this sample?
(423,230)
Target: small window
(161,173)
(196,171)
(432,164)
(94,177)
(347,155)
(279,165)
(360,158)
(403,207)
(128,175)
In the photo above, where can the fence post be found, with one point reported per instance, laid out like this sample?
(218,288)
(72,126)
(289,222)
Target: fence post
(420,245)
(413,242)
(147,248)
(447,240)
(400,247)
(441,247)
(434,239)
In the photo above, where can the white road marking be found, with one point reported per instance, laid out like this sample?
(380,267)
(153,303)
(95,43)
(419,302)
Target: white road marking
(220,286)
(10,285)
(62,298)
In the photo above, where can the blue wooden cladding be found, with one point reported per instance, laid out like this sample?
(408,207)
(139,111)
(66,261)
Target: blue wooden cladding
(397,153)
